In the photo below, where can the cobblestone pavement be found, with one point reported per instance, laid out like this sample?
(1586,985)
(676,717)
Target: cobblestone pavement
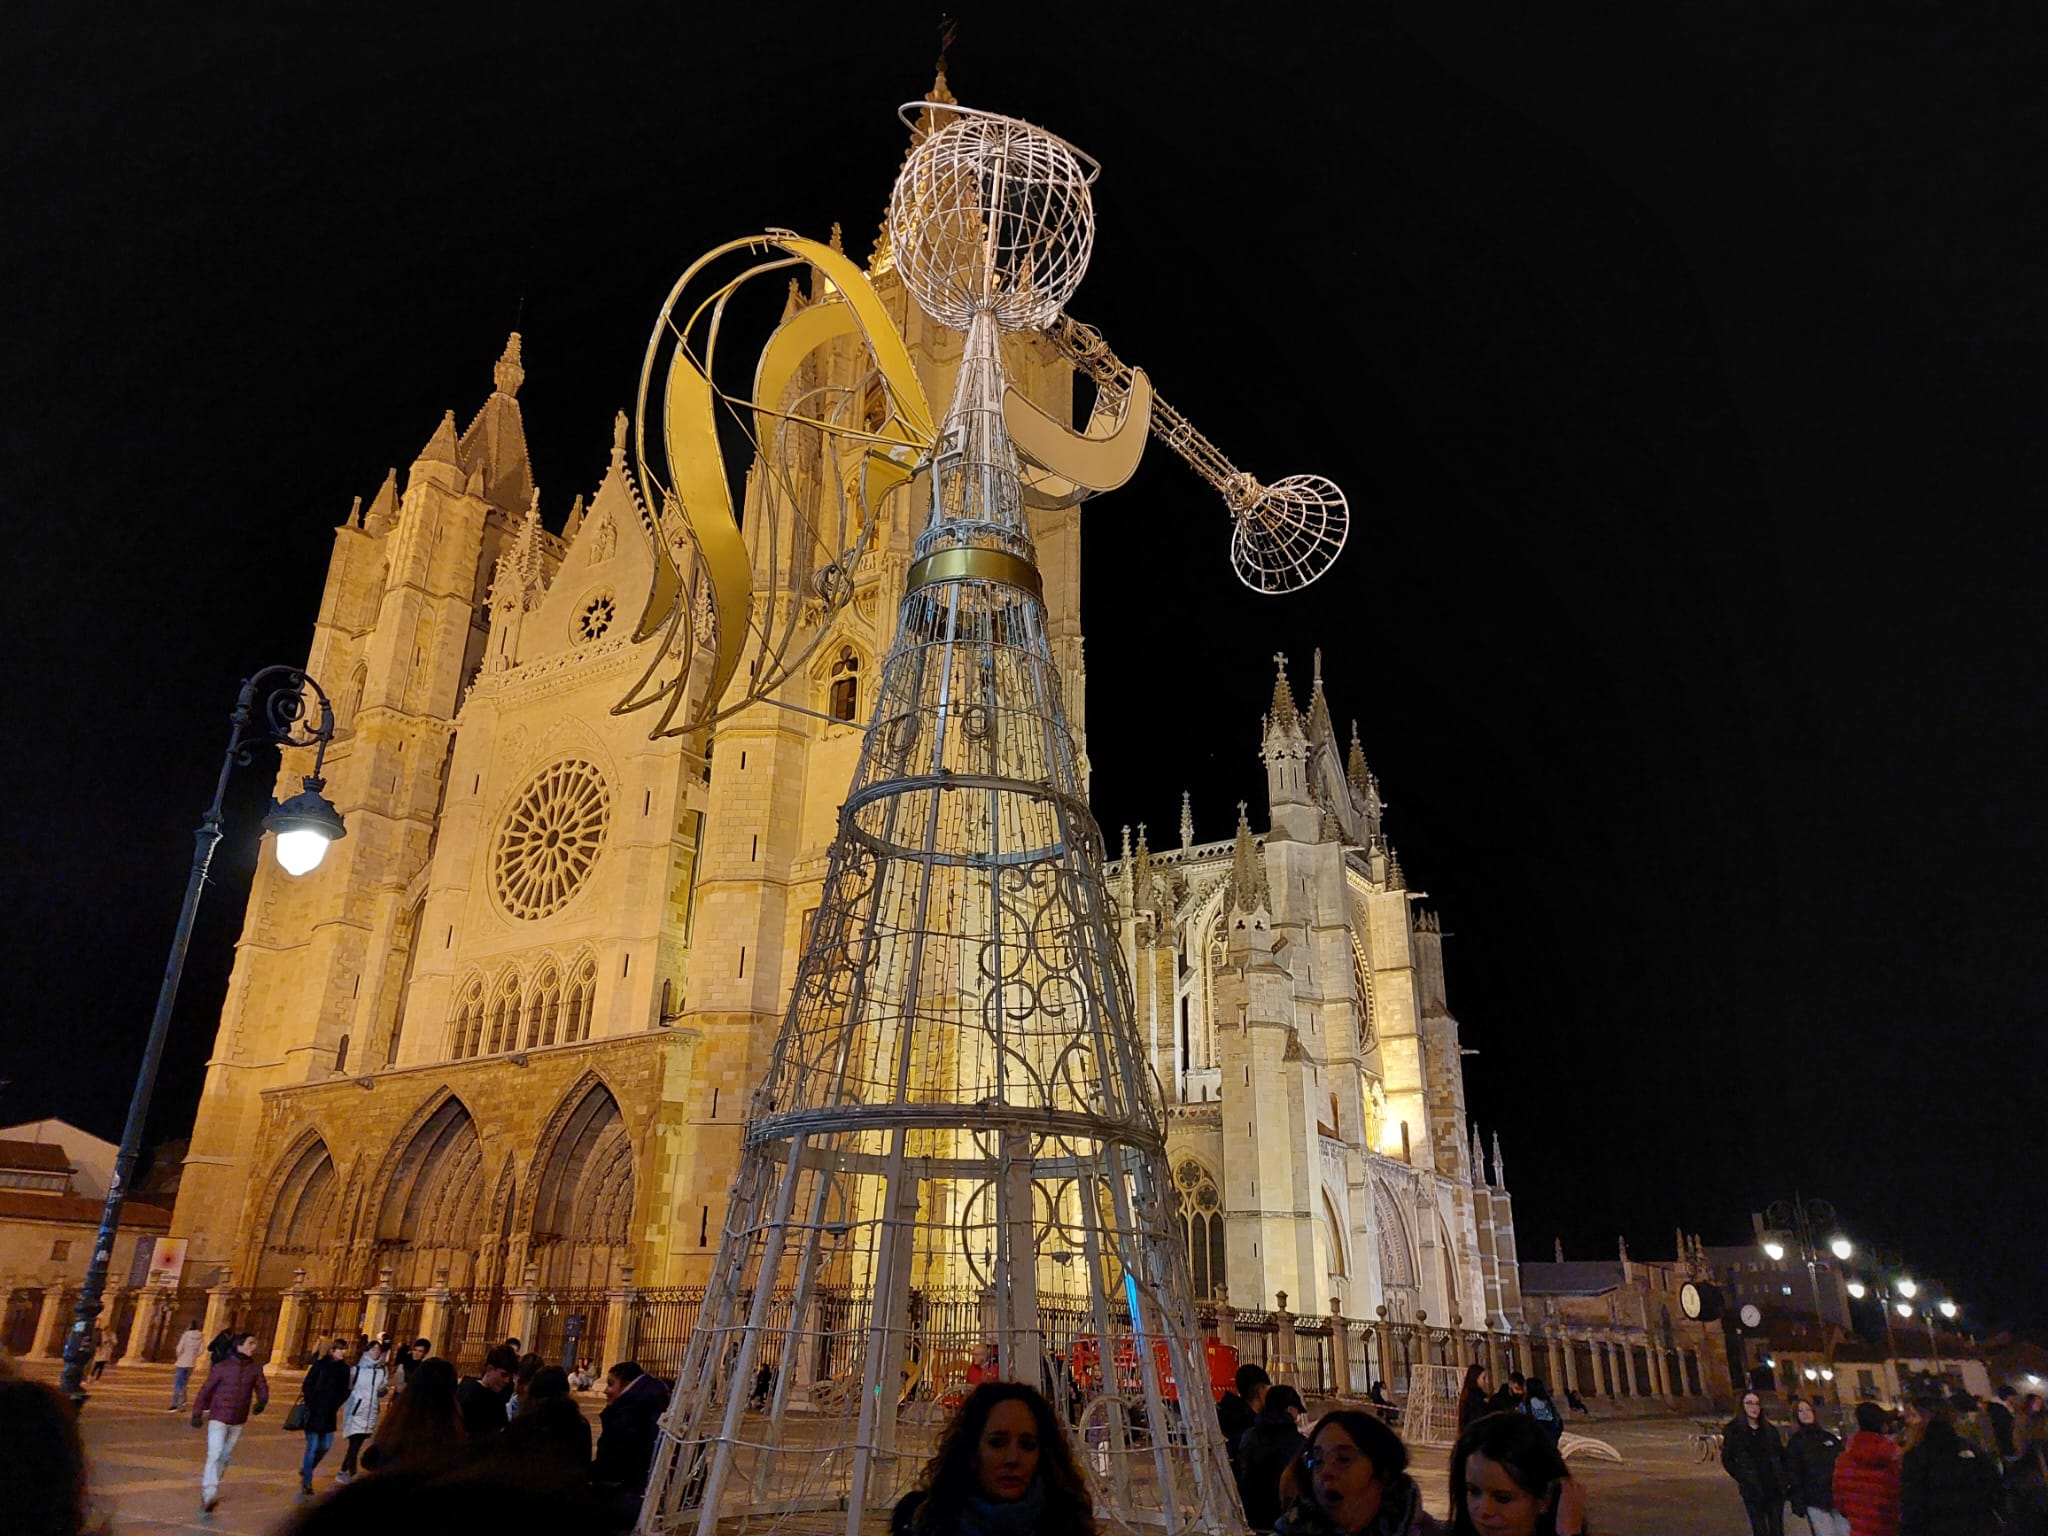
(145,1468)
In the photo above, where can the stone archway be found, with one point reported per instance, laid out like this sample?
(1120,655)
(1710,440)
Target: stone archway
(433,1209)
(582,1192)
(302,1229)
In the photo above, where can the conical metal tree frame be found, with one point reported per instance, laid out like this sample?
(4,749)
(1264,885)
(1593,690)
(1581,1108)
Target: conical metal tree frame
(957,1151)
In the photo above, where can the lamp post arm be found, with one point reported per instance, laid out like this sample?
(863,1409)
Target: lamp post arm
(282,713)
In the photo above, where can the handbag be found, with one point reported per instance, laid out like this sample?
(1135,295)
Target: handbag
(295,1416)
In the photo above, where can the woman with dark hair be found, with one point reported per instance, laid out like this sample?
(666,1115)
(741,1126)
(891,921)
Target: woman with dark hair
(1003,1468)
(422,1430)
(1352,1480)
(1261,1457)
(1507,1479)
(1473,1398)
(1754,1456)
(1810,1456)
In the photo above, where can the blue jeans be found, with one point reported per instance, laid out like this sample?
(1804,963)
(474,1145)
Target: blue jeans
(317,1443)
(181,1378)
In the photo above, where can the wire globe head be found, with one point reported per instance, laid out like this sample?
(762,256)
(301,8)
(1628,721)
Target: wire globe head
(1288,533)
(991,215)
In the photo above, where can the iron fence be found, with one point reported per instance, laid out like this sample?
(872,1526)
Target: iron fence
(553,1329)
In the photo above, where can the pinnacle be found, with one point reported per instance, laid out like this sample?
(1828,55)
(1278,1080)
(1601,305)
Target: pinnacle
(837,242)
(1355,770)
(508,375)
(441,447)
(1396,879)
(1187,822)
(1248,870)
(1284,716)
(619,443)
(939,91)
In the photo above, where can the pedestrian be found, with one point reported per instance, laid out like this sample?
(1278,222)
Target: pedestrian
(368,1385)
(1351,1479)
(191,1345)
(102,1351)
(1999,1410)
(1578,1403)
(323,1392)
(234,1389)
(1947,1486)
(1754,1455)
(522,1382)
(1379,1399)
(1235,1410)
(1810,1456)
(1513,1393)
(482,1397)
(550,1433)
(1867,1477)
(2026,1479)
(1003,1467)
(1507,1479)
(409,1359)
(1539,1405)
(628,1427)
(1473,1398)
(222,1344)
(1262,1454)
(581,1379)
(43,1473)
(423,1430)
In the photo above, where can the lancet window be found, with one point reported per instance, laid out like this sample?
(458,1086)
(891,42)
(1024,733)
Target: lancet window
(465,1033)
(843,697)
(1201,1226)
(577,1009)
(544,1007)
(504,1024)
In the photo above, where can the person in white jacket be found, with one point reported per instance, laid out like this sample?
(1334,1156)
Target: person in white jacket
(191,1345)
(367,1389)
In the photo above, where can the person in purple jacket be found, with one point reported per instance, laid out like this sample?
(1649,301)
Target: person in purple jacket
(234,1389)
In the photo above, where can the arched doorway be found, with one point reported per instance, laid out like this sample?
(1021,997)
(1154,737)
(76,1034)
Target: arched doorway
(301,1232)
(583,1193)
(434,1210)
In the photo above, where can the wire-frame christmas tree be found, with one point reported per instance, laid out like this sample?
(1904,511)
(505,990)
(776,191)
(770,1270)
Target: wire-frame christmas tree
(956,1156)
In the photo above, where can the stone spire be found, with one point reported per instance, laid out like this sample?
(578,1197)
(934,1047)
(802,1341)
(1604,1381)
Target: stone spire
(1500,1173)
(1397,879)
(1621,1243)
(1557,1248)
(442,447)
(384,505)
(508,375)
(1284,716)
(1141,871)
(355,514)
(1355,770)
(575,521)
(1247,869)
(1319,726)
(1478,1161)
(1187,822)
(879,260)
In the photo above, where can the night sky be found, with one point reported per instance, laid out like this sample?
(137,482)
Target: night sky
(1683,375)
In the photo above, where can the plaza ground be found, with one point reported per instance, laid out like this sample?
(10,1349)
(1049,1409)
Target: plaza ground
(145,1468)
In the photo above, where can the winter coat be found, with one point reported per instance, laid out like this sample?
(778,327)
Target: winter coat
(1472,1404)
(324,1390)
(483,1411)
(1755,1458)
(366,1389)
(1867,1484)
(191,1345)
(551,1433)
(232,1387)
(1261,1456)
(1810,1467)
(630,1427)
(1545,1412)
(1233,1416)
(1401,1514)
(1947,1487)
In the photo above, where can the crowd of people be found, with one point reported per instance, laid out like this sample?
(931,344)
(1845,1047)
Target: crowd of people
(406,1417)
(1918,1474)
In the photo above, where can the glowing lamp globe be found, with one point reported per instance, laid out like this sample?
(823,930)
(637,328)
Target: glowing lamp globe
(1841,1247)
(305,825)
(1774,1249)
(1903,1308)
(1858,1289)
(1907,1287)
(1948,1309)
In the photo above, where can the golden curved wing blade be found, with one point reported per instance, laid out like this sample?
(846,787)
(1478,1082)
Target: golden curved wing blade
(1102,458)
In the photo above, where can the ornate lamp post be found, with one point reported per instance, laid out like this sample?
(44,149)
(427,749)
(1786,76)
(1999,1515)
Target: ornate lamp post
(305,824)
(1801,1220)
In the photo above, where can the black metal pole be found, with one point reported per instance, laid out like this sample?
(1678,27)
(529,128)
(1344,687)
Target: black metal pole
(78,1347)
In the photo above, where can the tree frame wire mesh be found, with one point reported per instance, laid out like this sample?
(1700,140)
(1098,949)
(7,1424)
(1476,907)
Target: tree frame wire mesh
(956,1159)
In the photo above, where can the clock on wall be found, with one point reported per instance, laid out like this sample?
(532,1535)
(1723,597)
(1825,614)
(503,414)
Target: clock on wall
(1701,1303)
(1751,1318)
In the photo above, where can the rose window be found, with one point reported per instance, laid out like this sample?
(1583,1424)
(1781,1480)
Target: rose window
(595,619)
(550,839)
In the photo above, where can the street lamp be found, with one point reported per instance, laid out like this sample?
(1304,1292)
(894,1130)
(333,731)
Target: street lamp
(1800,1220)
(1907,1288)
(305,824)
(1857,1289)
(1947,1310)
(1841,1247)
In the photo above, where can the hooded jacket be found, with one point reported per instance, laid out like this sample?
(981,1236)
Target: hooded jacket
(629,1426)
(1810,1466)
(324,1390)
(1867,1484)
(1755,1458)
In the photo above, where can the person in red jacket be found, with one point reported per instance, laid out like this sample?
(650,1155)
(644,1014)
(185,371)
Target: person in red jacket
(234,1389)
(1867,1477)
